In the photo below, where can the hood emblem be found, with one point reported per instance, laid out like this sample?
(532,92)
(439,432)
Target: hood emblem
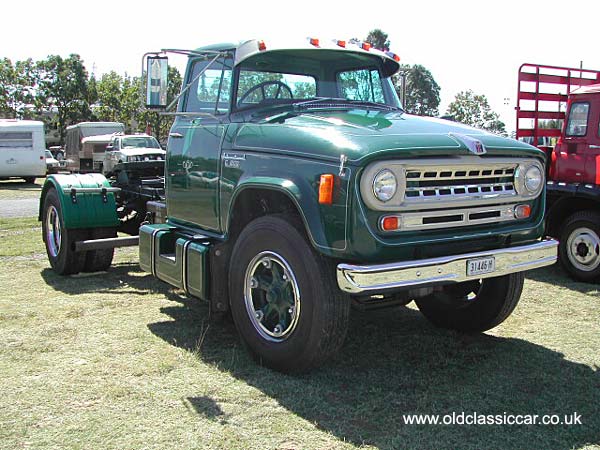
(475,146)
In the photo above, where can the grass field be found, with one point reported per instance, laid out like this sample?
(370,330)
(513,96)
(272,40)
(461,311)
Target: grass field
(17,188)
(119,360)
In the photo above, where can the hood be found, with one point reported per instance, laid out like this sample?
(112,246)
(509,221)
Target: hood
(364,135)
(137,151)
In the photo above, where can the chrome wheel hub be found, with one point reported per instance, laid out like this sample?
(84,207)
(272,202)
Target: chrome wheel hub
(53,231)
(272,296)
(583,249)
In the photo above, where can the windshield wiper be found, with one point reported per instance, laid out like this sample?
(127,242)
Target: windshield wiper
(317,101)
(374,105)
(337,102)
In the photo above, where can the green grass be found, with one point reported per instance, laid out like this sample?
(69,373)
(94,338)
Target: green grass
(119,360)
(17,188)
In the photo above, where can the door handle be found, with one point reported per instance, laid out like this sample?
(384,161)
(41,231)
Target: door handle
(595,147)
(176,135)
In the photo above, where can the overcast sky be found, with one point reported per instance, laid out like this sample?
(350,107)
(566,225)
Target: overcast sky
(476,45)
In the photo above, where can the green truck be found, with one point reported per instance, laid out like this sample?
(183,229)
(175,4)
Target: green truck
(296,187)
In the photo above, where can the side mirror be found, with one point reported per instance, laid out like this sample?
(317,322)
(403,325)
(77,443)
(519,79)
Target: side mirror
(157,70)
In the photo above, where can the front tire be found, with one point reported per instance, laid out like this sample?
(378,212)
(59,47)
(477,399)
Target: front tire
(284,299)
(579,248)
(473,306)
(60,241)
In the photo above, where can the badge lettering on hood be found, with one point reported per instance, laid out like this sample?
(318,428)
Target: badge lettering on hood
(475,146)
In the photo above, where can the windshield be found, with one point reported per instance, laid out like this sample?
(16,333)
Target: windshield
(298,77)
(48,154)
(140,142)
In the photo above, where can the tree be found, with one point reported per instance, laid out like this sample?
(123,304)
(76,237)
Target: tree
(109,93)
(378,39)
(415,84)
(422,92)
(472,109)
(63,85)
(18,81)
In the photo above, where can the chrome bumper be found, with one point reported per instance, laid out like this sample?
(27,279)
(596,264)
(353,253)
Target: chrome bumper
(355,279)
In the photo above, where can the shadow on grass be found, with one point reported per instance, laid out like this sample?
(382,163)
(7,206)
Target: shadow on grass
(556,276)
(21,185)
(394,363)
(119,279)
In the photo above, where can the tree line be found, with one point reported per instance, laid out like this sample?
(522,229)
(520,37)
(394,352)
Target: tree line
(60,92)
(63,86)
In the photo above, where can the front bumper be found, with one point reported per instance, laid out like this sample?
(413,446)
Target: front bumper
(356,279)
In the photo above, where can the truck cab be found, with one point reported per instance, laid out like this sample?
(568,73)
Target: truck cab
(559,111)
(296,187)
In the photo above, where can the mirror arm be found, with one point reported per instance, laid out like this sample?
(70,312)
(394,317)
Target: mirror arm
(187,87)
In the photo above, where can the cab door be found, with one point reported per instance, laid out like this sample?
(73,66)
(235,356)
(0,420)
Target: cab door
(570,164)
(193,172)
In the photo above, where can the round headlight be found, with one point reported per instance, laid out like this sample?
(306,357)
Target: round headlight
(384,185)
(533,179)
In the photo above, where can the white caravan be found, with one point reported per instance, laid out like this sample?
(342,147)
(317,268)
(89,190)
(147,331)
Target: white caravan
(22,149)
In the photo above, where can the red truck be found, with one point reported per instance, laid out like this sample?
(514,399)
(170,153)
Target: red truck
(558,110)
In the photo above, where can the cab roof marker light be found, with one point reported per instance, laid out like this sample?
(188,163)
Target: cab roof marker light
(393,56)
(314,41)
(366,46)
(261,45)
(340,43)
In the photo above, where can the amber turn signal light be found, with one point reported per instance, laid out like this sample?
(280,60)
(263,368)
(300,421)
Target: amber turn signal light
(326,189)
(390,223)
(522,211)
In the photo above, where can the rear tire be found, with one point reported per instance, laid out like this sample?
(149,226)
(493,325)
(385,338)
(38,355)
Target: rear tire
(60,241)
(285,302)
(579,249)
(473,306)
(99,260)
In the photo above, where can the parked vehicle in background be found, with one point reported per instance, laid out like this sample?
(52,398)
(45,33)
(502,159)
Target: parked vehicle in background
(52,164)
(83,153)
(22,149)
(558,110)
(58,152)
(298,187)
(129,148)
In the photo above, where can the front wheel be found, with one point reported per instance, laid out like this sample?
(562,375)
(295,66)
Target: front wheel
(473,306)
(284,299)
(579,249)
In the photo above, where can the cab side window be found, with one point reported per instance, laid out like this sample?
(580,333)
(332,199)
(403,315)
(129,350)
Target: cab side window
(210,89)
(578,119)
(363,85)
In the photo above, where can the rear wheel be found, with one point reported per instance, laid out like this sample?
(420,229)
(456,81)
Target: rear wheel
(284,299)
(579,249)
(60,241)
(473,306)
(98,260)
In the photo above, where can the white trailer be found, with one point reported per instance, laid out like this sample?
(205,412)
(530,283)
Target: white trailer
(22,149)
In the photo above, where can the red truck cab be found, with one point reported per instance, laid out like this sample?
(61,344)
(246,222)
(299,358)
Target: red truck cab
(558,110)
(576,156)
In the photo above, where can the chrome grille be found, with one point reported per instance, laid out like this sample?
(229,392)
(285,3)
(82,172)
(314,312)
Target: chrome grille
(458,183)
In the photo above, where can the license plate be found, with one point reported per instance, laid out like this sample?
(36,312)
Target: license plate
(480,266)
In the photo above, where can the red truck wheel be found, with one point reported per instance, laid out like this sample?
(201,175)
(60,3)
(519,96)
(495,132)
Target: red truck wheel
(473,306)
(579,249)
(284,299)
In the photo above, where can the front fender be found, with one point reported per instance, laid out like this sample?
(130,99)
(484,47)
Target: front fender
(324,224)
(90,210)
